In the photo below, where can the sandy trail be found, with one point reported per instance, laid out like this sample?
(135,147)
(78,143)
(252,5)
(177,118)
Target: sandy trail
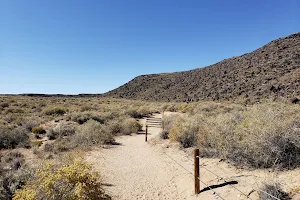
(160,170)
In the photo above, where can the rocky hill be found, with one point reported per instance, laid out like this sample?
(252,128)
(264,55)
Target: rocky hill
(270,71)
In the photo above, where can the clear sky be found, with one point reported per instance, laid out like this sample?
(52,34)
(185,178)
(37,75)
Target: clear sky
(92,46)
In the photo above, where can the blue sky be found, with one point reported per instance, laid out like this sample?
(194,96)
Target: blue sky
(92,46)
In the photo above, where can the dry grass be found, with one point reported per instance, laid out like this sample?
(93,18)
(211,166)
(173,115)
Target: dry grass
(260,136)
(273,189)
(13,173)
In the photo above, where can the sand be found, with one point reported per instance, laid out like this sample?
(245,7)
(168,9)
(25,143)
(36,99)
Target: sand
(158,169)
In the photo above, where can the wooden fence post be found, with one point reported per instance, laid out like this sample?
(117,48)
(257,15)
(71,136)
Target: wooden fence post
(197,171)
(146,135)
(162,121)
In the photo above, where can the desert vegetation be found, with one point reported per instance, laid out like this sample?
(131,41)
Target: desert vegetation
(73,181)
(43,129)
(273,189)
(35,132)
(264,135)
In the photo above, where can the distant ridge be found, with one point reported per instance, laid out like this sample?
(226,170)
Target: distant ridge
(59,95)
(270,71)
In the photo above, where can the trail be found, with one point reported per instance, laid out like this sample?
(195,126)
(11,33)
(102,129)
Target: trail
(138,170)
(157,169)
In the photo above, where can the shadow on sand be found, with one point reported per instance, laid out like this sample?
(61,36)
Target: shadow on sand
(218,186)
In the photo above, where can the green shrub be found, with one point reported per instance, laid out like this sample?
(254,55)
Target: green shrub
(13,137)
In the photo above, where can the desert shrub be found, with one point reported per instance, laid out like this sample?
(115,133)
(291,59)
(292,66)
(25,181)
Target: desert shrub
(145,111)
(168,122)
(86,108)
(38,130)
(184,131)
(130,125)
(114,126)
(273,189)
(13,174)
(54,111)
(260,136)
(134,113)
(266,135)
(61,130)
(13,137)
(73,181)
(63,145)
(83,117)
(48,147)
(13,159)
(14,110)
(214,109)
(164,135)
(37,143)
(92,133)
(80,118)
(4,105)
(186,108)
(30,122)
(188,139)
(172,108)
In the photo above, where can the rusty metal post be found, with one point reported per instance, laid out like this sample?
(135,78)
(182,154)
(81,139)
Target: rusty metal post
(197,171)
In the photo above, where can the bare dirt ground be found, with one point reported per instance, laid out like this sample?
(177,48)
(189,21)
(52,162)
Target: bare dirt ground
(158,169)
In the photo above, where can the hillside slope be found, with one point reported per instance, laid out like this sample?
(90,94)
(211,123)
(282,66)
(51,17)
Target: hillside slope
(270,71)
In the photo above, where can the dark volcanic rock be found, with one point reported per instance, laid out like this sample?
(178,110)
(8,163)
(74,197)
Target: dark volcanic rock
(270,71)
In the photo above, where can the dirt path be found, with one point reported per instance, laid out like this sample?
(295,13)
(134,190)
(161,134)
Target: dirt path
(160,170)
(137,170)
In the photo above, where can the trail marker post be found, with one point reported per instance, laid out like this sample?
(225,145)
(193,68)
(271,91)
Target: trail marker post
(146,135)
(197,171)
(162,121)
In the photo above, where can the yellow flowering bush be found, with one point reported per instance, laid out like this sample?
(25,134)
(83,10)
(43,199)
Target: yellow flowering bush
(69,182)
